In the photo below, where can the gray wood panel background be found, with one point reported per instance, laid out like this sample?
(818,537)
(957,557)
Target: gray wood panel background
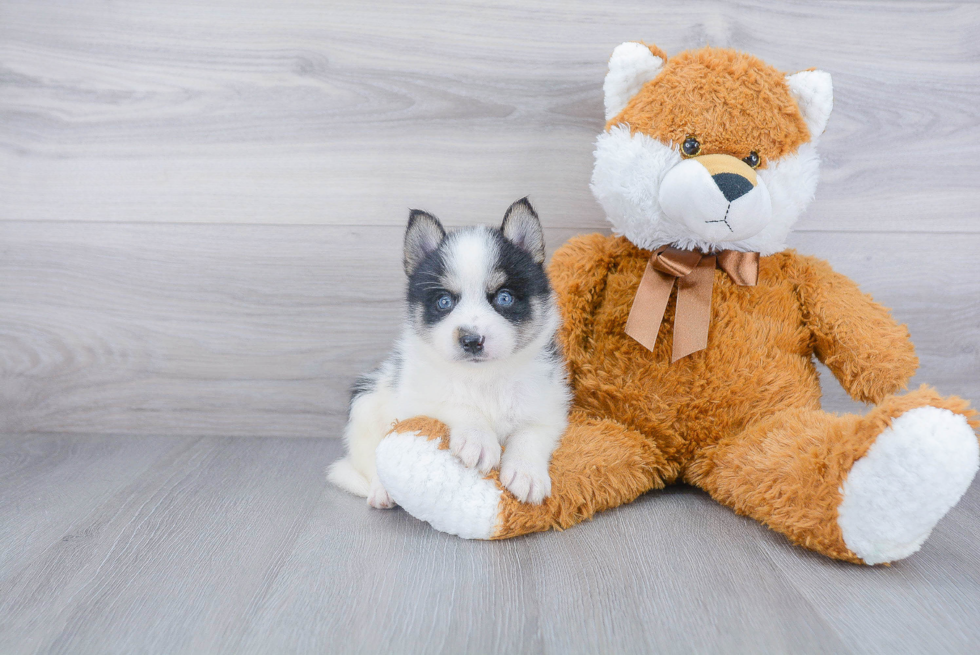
(201,203)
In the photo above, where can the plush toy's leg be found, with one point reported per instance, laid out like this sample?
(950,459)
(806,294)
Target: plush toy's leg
(599,464)
(858,488)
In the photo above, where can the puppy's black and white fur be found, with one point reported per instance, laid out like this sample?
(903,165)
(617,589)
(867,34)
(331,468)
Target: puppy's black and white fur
(477,353)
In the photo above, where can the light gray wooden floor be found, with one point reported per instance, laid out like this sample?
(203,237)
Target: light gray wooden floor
(237,545)
(200,215)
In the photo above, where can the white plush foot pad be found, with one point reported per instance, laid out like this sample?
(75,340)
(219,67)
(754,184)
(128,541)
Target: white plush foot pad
(434,486)
(912,475)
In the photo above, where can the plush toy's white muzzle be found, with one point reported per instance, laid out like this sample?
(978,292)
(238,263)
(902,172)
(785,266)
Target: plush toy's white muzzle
(718,198)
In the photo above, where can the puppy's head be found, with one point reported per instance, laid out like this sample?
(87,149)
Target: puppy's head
(711,149)
(478,294)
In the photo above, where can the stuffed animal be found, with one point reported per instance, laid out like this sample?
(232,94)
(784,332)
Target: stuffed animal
(690,336)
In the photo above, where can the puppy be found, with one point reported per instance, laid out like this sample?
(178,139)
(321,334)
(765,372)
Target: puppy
(477,352)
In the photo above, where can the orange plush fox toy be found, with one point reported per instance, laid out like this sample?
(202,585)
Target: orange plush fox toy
(690,337)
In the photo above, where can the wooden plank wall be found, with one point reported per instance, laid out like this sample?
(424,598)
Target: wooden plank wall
(201,204)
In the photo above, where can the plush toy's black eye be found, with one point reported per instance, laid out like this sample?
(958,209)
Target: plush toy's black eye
(691,147)
(753,159)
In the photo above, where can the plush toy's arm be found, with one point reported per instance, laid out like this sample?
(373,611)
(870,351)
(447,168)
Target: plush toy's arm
(578,275)
(869,353)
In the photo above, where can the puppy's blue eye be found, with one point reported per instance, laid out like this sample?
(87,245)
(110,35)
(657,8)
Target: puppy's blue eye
(504,298)
(445,302)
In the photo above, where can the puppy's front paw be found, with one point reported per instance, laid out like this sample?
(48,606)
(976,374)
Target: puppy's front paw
(378,496)
(476,449)
(529,482)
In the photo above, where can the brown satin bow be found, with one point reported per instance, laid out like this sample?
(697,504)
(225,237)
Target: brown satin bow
(695,275)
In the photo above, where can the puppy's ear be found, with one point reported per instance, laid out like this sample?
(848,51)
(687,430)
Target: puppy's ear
(522,228)
(423,236)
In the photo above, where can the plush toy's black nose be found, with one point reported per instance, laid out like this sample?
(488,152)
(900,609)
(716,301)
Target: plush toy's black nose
(732,185)
(471,343)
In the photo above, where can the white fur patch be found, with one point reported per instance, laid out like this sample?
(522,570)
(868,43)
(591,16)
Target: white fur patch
(690,196)
(516,396)
(470,258)
(630,170)
(370,417)
(626,181)
(343,474)
(792,183)
(912,475)
(814,95)
(631,66)
(432,485)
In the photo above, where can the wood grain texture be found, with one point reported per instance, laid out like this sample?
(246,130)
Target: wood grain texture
(211,329)
(184,537)
(259,330)
(347,112)
(239,546)
(201,208)
(49,483)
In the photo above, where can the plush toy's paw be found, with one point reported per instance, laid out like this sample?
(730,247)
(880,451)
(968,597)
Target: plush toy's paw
(378,496)
(433,485)
(477,449)
(528,481)
(911,476)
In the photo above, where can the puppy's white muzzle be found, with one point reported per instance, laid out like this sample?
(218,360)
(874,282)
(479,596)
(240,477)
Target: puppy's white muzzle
(718,197)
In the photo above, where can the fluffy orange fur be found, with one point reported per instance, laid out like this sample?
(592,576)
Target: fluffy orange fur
(732,102)
(740,419)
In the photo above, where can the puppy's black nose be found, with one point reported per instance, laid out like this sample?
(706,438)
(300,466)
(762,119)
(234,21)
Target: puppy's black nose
(471,343)
(732,185)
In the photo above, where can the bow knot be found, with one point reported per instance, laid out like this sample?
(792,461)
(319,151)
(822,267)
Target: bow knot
(694,273)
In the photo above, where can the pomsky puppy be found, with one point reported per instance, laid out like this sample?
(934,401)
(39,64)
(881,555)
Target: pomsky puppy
(477,352)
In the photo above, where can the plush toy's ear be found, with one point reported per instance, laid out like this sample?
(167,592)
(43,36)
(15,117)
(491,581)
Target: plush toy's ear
(814,93)
(424,234)
(631,66)
(522,228)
